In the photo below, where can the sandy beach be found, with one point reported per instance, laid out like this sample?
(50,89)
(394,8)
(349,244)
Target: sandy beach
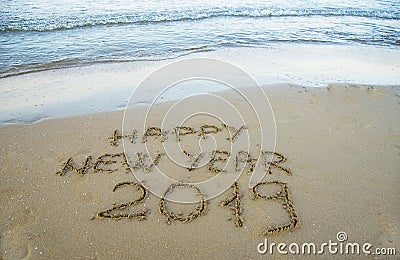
(199,130)
(342,146)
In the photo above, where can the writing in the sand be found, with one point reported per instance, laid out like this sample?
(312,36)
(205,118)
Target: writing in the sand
(112,162)
(177,132)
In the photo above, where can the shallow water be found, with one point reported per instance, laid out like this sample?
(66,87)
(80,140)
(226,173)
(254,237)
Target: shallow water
(41,35)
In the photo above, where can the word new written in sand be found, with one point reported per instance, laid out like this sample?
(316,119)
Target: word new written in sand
(109,162)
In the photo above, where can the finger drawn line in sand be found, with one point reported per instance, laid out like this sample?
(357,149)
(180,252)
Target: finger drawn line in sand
(145,163)
(105,162)
(178,131)
(275,163)
(208,129)
(154,131)
(283,196)
(70,166)
(235,205)
(242,158)
(194,160)
(192,215)
(110,213)
(116,136)
(218,156)
(235,131)
(183,130)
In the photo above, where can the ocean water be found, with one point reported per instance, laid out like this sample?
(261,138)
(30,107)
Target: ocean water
(38,35)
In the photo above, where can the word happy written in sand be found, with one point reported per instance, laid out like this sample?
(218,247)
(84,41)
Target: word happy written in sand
(109,162)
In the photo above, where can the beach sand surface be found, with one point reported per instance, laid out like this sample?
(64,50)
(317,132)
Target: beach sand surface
(342,144)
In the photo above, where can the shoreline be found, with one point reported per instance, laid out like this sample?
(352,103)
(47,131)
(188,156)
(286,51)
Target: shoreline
(106,87)
(47,67)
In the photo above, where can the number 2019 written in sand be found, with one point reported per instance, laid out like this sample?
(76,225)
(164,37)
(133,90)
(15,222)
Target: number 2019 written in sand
(107,163)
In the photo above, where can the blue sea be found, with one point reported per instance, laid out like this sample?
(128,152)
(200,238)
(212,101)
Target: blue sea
(38,35)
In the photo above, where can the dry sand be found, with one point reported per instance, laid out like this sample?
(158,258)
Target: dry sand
(342,144)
